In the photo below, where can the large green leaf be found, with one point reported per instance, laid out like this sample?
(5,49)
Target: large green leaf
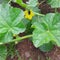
(48,29)
(3,52)
(54,3)
(10,22)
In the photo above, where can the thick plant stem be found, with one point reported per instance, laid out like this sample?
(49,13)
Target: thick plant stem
(21,38)
(24,37)
(20,2)
(18,39)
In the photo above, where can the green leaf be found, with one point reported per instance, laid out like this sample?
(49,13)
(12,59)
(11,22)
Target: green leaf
(48,29)
(3,52)
(4,1)
(6,37)
(10,22)
(54,3)
(46,47)
(32,3)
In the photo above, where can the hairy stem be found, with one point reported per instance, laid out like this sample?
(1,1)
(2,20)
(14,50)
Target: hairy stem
(18,39)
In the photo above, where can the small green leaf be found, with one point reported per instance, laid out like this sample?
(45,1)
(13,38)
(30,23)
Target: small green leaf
(3,52)
(47,29)
(32,3)
(54,3)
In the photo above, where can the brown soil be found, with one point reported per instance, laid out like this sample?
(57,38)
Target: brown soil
(54,54)
(27,51)
(26,48)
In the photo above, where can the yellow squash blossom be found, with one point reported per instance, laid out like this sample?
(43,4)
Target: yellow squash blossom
(29,14)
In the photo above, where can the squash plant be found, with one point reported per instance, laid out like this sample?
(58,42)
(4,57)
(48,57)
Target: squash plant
(44,30)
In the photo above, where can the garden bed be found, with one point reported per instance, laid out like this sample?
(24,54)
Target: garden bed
(26,49)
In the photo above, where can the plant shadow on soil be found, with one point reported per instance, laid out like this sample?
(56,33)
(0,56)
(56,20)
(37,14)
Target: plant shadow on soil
(26,49)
